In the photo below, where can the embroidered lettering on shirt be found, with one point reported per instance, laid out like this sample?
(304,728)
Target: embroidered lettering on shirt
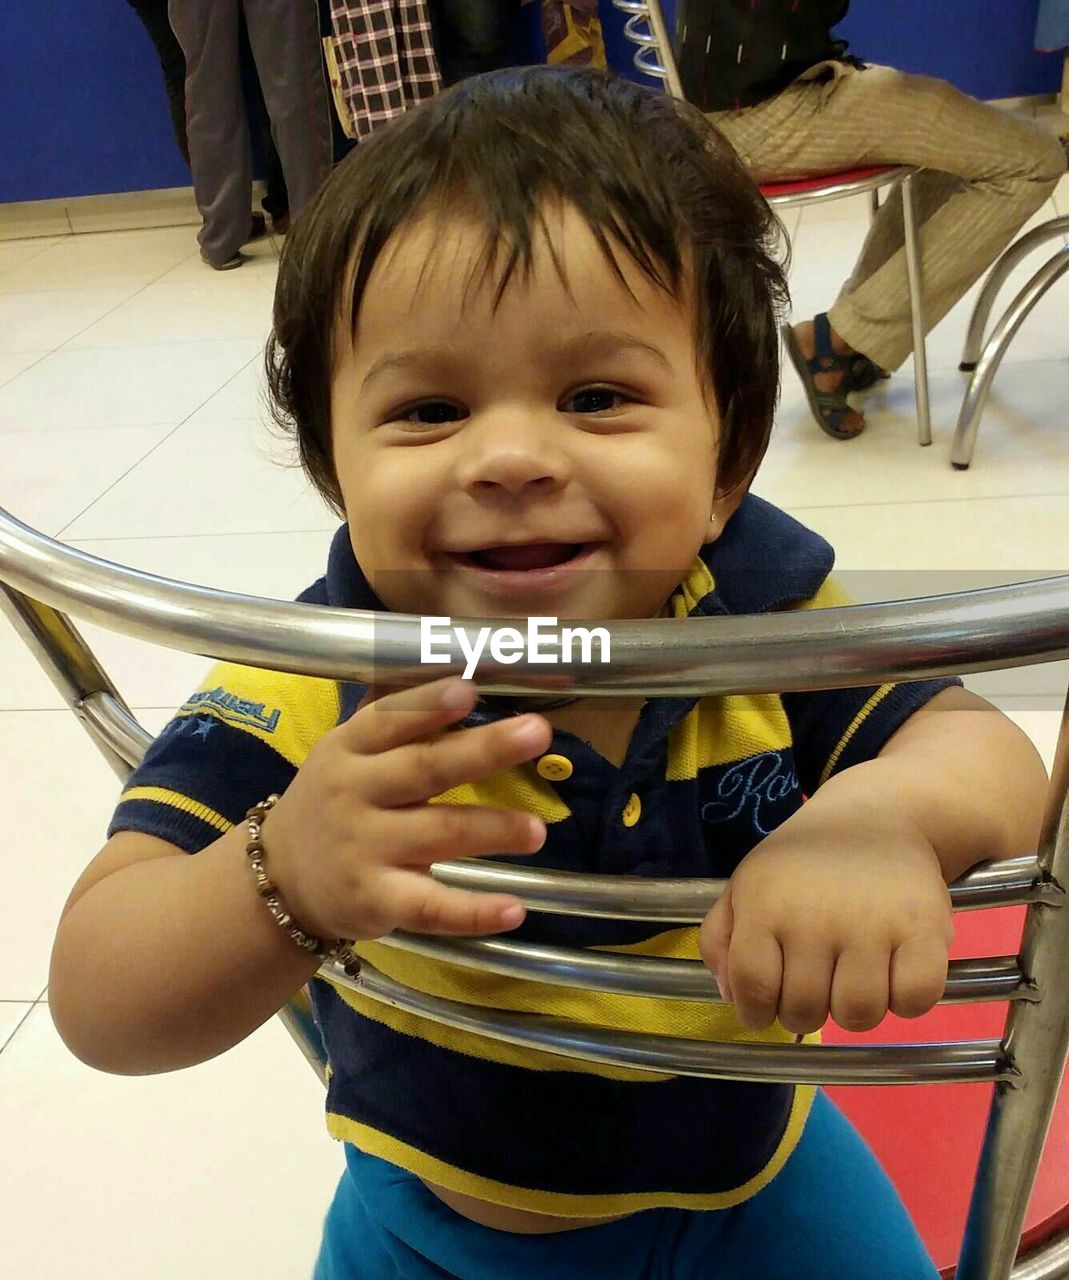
(228,706)
(759,784)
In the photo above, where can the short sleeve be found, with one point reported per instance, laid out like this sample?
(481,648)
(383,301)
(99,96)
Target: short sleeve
(834,729)
(239,738)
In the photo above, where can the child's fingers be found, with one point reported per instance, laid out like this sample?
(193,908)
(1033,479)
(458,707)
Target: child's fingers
(918,975)
(714,941)
(439,832)
(388,719)
(808,964)
(860,989)
(755,975)
(376,692)
(418,904)
(417,771)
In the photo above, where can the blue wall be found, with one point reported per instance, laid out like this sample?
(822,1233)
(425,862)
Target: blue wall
(84,112)
(982,46)
(82,103)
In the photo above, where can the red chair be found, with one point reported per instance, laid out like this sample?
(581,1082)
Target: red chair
(928,1138)
(646,27)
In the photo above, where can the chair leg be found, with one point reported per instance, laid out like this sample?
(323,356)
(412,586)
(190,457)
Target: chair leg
(997,277)
(987,366)
(874,202)
(916,306)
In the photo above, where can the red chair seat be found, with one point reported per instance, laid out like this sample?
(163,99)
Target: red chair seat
(928,1137)
(801,186)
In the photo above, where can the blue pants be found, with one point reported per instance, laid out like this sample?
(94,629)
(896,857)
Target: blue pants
(830,1214)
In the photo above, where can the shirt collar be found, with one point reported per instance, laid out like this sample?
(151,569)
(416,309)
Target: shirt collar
(764,560)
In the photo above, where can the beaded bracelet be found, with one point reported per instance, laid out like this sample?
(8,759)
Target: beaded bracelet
(339,950)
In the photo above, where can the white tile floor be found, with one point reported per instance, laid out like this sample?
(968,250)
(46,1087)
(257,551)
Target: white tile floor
(130,425)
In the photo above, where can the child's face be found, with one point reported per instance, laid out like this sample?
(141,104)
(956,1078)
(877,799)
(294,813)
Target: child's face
(555,456)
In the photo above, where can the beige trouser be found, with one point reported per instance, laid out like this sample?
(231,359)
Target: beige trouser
(986,171)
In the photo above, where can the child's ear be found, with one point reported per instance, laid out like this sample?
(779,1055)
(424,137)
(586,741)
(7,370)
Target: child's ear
(725,503)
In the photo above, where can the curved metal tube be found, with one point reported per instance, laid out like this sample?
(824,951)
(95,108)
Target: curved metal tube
(1048,1261)
(914,273)
(838,190)
(109,721)
(1036,1039)
(657,44)
(968,982)
(634,35)
(1014,881)
(957,1062)
(1030,615)
(649,62)
(987,366)
(997,277)
(809,649)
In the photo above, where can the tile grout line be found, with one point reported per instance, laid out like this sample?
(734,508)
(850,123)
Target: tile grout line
(67,710)
(163,439)
(913,502)
(60,347)
(86,543)
(237,374)
(31,1005)
(44,248)
(136,293)
(132,467)
(6,382)
(59,534)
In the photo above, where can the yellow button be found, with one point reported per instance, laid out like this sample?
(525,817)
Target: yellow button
(632,811)
(554,768)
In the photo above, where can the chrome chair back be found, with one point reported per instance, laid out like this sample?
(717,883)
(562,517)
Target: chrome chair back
(41,581)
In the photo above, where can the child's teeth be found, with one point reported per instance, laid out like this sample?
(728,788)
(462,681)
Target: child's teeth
(542,555)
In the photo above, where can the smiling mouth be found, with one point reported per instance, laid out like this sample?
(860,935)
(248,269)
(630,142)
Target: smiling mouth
(524,559)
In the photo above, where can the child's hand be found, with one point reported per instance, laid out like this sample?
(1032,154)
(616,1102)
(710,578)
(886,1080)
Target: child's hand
(350,842)
(835,912)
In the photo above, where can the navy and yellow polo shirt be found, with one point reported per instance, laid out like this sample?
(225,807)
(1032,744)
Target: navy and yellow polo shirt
(703,782)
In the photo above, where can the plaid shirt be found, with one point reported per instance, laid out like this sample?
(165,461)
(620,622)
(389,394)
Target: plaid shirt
(385,59)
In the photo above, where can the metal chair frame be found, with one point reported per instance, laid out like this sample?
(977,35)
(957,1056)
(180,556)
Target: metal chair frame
(41,579)
(655,56)
(982,359)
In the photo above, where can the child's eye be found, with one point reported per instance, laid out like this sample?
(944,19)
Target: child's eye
(431,413)
(594,400)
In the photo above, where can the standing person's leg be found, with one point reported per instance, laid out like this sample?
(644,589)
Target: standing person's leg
(284,35)
(216,126)
(276,201)
(153,15)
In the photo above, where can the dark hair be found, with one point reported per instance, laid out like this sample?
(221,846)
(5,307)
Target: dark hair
(642,169)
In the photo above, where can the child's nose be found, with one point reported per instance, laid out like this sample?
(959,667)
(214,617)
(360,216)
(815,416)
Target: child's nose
(513,453)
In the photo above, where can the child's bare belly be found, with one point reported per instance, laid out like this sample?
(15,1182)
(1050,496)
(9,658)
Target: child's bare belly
(519,1221)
